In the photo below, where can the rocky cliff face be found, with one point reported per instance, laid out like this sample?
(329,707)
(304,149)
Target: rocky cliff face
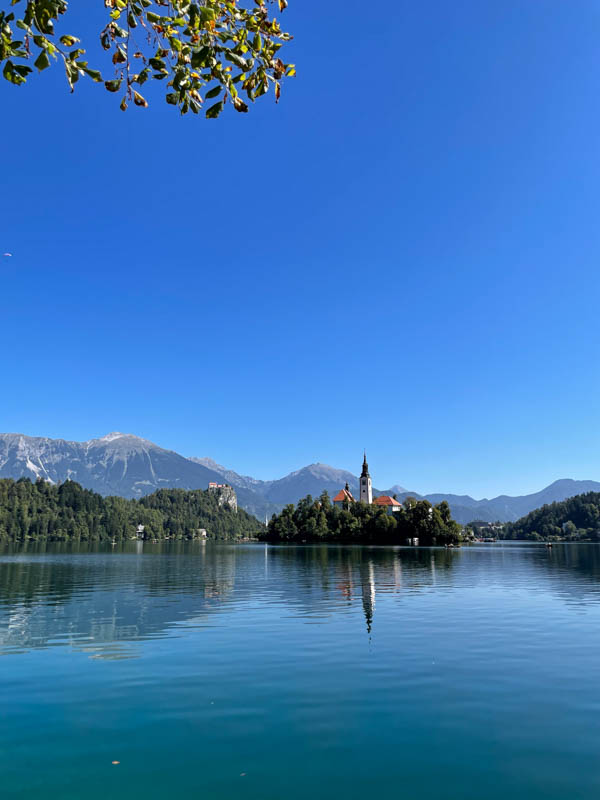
(226,496)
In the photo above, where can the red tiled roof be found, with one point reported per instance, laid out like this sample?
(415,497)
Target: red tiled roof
(385,500)
(342,495)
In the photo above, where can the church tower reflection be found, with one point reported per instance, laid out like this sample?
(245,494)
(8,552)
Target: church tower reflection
(367,578)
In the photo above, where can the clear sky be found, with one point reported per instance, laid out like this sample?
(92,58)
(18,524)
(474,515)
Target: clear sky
(403,255)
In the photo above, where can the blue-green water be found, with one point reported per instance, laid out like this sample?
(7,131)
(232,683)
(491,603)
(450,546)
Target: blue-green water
(216,671)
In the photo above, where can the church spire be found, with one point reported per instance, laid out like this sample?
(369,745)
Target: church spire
(366,489)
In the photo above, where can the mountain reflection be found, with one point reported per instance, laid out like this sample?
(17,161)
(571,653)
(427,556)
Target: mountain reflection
(105,601)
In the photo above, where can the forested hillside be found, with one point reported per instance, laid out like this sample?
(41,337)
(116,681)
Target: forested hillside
(572,520)
(42,510)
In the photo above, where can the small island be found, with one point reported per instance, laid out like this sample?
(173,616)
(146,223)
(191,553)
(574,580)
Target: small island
(379,520)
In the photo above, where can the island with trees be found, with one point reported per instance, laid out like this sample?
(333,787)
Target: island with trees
(363,523)
(46,511)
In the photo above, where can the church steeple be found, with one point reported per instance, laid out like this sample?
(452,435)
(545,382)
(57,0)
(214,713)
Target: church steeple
(365,469)
(366,489)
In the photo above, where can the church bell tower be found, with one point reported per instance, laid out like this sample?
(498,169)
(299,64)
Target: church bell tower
(366,489)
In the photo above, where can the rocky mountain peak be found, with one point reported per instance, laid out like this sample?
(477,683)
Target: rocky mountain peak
(110,437)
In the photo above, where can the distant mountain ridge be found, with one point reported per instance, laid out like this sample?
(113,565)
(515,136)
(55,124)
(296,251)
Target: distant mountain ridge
(116,464)
(509,509)
(316,477)
(129,466)
(312,479)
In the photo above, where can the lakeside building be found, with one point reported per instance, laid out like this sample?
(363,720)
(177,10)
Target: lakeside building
(391,504)
(344,496)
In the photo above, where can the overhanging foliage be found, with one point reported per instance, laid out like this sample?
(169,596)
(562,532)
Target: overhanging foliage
(210,50)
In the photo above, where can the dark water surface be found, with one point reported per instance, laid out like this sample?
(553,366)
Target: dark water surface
(216,671)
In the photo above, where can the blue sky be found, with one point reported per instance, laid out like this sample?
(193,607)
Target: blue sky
(403,255)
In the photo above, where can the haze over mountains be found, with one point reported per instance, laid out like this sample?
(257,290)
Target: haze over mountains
(126,465)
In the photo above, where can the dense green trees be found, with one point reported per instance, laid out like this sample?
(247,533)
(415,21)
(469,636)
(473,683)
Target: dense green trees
(573,520)
(318,520)
(213,50)
(44,511)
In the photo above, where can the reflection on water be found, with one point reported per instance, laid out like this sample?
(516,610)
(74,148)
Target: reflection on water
(104,601)
(270,672)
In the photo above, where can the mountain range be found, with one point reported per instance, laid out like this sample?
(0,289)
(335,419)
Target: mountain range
(116,464)
(126,465)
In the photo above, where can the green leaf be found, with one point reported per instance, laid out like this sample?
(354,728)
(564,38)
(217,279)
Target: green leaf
(15,74)
(214,111)
(214,92)
(113,86)
(93,74)
(172,98)
(236,59)
(206,14)
(42,61)
(200,56)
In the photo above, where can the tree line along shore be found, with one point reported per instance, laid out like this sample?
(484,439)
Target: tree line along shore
(66,511)
(46,511)
(62,512)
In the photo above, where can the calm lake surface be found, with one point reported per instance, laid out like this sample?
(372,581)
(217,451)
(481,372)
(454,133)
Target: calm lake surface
(245,671)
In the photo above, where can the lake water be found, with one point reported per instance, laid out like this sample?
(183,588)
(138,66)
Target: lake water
(245,671)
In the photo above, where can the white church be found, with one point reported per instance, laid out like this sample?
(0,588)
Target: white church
(344,497)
